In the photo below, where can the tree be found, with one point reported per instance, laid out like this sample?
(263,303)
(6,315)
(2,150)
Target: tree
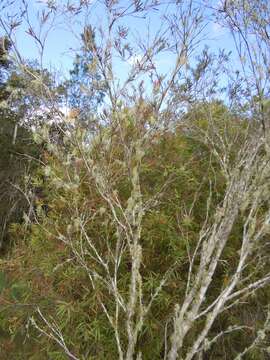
(8,134)
(248,21)
(84,88)
(16,143)
(156,240)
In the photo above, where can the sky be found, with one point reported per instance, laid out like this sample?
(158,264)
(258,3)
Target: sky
(63,39)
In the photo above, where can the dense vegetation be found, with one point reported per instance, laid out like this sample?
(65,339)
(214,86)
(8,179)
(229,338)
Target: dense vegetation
(138,229)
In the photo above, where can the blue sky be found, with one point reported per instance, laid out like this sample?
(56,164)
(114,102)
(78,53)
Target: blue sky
(63,40)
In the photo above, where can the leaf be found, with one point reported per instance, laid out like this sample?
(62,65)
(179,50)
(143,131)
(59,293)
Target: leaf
(2,281)
(18,291)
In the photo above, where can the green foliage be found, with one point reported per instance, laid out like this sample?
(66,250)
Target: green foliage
(44,271)
(84,89)
(2,281)
(16,145)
